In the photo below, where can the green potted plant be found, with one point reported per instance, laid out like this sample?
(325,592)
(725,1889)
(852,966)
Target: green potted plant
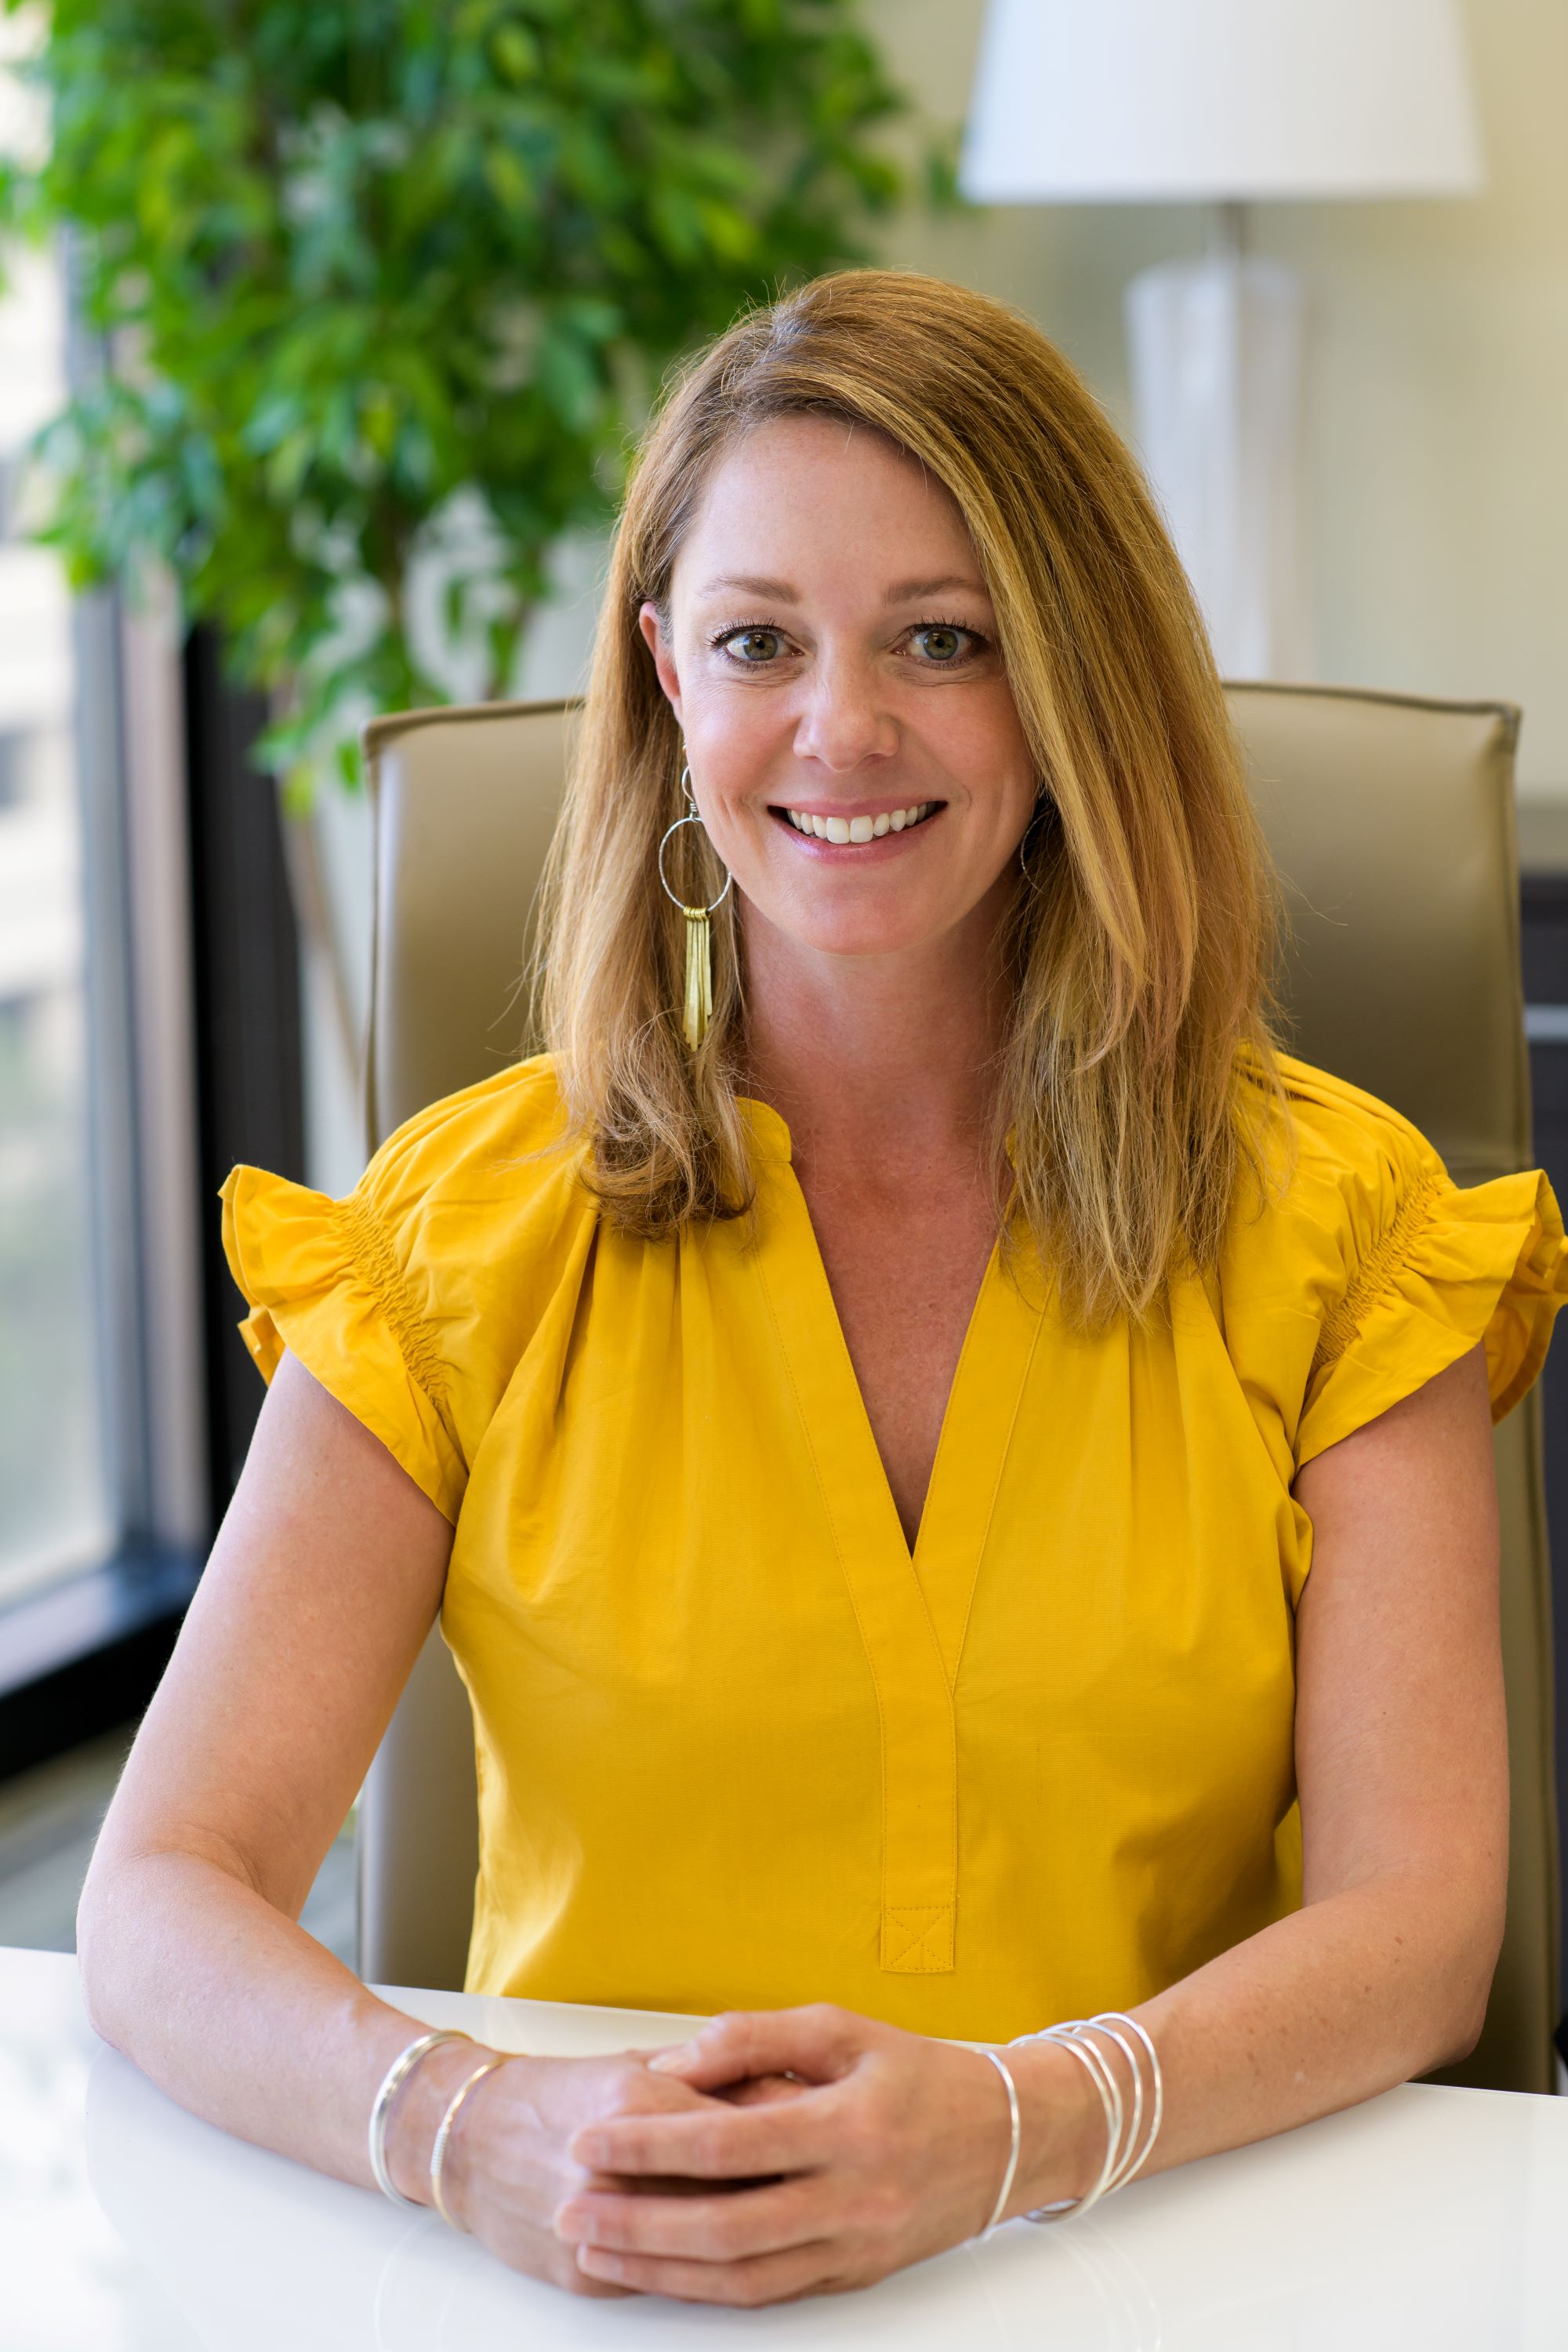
(385,288)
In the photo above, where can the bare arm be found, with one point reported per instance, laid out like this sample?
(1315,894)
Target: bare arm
(1383,1974)
(325,1579)
(1402,1764)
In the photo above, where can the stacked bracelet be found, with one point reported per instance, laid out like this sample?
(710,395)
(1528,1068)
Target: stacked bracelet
(392,2082)
(1128,2140)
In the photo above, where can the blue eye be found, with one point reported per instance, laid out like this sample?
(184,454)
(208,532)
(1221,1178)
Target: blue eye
(755,645)
(943,643)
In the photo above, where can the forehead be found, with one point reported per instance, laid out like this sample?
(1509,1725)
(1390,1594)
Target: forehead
(811,496)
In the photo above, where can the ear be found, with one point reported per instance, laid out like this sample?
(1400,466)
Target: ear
(663,653)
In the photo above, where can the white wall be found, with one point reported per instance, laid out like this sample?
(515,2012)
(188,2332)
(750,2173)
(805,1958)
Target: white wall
(1437,403)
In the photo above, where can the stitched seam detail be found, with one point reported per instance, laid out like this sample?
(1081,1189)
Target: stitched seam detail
(937,1920)
(372,1252)
(1340,1326)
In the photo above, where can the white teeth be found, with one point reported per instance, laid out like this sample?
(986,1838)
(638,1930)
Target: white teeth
(844,829)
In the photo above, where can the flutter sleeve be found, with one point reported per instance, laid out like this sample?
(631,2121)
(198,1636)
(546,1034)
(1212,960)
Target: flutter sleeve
(323,1277)
(1411,1270)
(414,1297)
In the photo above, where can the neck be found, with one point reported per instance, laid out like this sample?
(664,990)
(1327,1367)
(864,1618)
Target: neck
(882,1060)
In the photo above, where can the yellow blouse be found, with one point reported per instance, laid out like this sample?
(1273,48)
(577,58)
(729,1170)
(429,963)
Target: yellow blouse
(735,1745)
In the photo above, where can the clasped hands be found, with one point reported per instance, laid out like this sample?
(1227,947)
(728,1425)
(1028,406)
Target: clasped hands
(780,2153)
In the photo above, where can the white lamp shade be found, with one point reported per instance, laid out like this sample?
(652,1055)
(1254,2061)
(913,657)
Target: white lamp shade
(1108,100)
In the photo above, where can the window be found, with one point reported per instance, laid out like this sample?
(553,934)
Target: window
(55,1512)
(103,1500)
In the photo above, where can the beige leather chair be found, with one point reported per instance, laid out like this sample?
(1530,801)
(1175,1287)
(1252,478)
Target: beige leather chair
(1393,819)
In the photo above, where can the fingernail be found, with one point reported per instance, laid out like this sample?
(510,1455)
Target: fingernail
(674,2061)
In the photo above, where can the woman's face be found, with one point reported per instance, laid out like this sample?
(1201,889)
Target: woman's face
(832,659)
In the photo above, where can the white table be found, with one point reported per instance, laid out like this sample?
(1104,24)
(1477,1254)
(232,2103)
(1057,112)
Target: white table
(1427,2218)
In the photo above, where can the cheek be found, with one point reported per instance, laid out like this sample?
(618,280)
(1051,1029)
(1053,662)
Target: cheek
(733,727)
(1000,778)
(734,743)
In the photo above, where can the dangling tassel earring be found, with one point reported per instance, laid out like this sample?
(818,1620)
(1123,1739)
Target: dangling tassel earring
(699,1007)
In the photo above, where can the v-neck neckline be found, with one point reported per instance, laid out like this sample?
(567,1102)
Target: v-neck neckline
(978,1413)
(912,1607)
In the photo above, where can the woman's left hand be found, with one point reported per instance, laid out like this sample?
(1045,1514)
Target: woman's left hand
(894,2148)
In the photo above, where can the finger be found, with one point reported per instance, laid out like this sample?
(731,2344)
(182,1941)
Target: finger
(539,2254)
(758,2088)
(769,2278)
(735,2227)
(721,2141)
(820,2041)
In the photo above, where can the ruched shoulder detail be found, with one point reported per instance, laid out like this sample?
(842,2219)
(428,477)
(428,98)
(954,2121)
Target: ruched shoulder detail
(1398,1270)
(320,1278)
(411,1298)
(1458,1263)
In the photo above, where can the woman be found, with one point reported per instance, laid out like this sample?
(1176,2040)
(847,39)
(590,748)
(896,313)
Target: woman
(633,1360)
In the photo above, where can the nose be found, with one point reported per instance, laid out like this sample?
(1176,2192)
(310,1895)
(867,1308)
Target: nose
(845,721)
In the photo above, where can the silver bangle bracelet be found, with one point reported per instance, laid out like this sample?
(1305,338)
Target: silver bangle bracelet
(1125,2165)
(443,2136)
(1129,2140)
(1016,2122)
(1099,2074)
(1157,2101)
(392,2082)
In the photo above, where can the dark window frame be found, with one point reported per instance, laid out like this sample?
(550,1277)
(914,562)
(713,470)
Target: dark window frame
(85,1654)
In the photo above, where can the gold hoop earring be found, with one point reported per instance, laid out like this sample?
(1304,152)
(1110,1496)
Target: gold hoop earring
(698,1012)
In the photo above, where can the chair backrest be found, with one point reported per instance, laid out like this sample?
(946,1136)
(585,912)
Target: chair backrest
(1392,819)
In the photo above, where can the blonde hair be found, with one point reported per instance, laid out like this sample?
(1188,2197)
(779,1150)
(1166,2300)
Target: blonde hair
(1142,942)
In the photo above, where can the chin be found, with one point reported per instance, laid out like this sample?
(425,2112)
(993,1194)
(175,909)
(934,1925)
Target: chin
(864,935)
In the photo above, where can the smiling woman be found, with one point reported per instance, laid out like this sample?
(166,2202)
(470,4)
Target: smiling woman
(884,544)
(960,1487)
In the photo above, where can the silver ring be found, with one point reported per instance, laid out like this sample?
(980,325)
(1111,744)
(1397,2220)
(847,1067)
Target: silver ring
(673,896)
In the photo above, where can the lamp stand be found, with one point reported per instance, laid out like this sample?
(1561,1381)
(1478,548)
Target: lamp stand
(1217,348)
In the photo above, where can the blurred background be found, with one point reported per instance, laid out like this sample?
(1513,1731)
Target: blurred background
(324,333)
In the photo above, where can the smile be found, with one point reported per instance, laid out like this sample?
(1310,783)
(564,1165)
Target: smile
(855,829)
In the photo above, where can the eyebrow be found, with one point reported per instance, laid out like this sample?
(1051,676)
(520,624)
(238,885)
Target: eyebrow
(904,591)
(910,592)
(779,591)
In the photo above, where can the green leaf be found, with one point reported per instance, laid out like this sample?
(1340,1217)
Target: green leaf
(367,260)
(516,52)
(568,379)
(506,180)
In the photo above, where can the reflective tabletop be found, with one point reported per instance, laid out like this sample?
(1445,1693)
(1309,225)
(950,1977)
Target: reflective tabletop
(1427,2218)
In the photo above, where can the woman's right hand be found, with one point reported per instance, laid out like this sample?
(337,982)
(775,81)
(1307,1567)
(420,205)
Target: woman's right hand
(506,2171)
